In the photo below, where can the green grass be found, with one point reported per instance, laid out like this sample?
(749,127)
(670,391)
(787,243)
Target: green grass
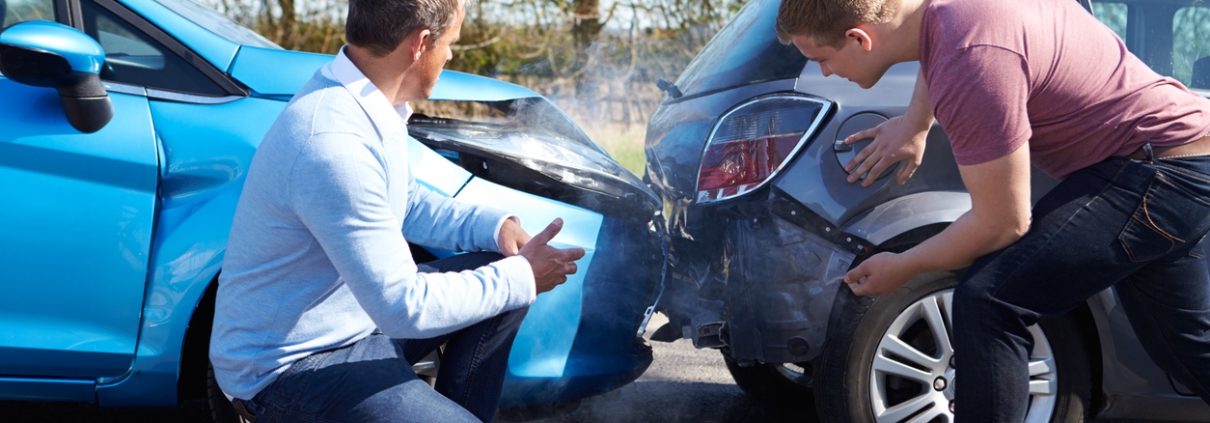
(623,142)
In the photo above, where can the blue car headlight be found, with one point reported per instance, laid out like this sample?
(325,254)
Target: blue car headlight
(554,156)
(534,135)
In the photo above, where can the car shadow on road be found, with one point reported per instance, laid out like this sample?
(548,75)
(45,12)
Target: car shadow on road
(685,402)
(647,401)
(194,411)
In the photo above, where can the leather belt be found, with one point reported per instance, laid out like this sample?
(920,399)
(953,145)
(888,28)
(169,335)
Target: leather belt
(1199,147)
(243,411)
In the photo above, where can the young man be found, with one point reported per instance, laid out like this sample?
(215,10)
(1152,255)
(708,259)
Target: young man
(321,310)
(1017,83)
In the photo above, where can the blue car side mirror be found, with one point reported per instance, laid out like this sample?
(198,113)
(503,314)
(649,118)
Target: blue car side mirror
(52,55)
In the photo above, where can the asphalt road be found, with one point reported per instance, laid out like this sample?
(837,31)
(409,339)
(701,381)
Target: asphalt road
(683,385)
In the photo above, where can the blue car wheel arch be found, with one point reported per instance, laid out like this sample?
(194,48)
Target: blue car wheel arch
(577,341)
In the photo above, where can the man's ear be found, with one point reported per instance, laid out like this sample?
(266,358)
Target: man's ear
(861,35)
(418,42)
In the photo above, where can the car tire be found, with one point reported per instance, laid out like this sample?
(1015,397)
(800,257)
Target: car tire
(221,409)
(848,389)
(778,384)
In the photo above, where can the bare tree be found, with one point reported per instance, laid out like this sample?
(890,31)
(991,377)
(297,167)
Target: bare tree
(287,25)
(586,27)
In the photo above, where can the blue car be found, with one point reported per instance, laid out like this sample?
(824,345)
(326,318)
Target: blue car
(126,130)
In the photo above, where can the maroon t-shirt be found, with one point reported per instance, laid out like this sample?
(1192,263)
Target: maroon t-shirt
(1003,72)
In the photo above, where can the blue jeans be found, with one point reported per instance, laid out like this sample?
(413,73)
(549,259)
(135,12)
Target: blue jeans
(372,380)
(1134,225)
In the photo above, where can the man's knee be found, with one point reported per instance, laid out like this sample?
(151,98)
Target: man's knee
(971,297)
(511,320)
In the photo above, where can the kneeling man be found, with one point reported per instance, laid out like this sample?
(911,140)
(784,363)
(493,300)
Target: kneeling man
(321,310)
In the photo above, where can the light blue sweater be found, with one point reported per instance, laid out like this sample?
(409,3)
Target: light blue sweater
(317,257)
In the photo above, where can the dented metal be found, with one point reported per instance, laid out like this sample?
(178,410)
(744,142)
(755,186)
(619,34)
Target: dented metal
(756,273)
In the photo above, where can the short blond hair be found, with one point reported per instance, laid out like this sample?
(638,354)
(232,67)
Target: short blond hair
(826,21)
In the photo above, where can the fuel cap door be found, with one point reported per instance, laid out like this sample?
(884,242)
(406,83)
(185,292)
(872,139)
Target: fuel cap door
(858,122)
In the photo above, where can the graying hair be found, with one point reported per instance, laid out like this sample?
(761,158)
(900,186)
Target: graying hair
(380,25)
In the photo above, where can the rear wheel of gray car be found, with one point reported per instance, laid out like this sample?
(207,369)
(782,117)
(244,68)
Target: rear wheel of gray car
(890,360)
(778,384)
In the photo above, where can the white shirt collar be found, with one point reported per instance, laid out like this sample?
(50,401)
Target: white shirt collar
(387,118)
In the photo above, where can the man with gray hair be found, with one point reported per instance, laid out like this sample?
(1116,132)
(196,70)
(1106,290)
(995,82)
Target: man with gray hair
(321,310)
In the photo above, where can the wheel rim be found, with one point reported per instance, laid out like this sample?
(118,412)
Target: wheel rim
(912,376)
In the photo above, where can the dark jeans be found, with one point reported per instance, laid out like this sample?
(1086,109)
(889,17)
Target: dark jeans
(1134,225)
(372,380)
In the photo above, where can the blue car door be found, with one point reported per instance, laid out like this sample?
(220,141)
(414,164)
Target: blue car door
(76,214)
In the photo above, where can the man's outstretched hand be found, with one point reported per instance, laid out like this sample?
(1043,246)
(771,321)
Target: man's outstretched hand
(551,265)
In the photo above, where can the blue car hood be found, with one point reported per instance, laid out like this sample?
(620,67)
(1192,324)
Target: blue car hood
(282,72)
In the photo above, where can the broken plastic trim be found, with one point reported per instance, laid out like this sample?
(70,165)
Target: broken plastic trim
(765,288)
(663,277)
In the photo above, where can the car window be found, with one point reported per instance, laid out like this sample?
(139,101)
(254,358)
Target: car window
(217,23)
(17,11)
(745,51)
(1191,43)
(133,57)
(1112,15)
(1170,36)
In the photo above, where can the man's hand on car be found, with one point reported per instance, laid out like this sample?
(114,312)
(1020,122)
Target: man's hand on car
(511,237)
(551,265)
(895,140)
(879,275)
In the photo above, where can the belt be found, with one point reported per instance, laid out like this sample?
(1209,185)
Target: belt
(243,411)
(1199,147)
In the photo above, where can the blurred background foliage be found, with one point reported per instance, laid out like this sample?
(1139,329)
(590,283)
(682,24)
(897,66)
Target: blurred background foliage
(598,59)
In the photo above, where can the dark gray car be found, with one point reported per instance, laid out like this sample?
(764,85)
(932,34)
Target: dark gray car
(760,225)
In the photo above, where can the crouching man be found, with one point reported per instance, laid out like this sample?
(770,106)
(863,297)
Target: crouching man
(1017,83)
(321,309)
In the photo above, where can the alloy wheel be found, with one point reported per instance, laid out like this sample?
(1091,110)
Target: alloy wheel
(912,377)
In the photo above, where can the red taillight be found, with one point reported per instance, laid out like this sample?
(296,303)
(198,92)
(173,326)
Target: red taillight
(752,142)
(735,167)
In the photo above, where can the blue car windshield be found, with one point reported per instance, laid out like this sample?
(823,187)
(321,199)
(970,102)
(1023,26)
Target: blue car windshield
(217,23)
(745,51)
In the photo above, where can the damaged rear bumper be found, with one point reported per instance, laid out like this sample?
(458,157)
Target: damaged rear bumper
(763,288)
